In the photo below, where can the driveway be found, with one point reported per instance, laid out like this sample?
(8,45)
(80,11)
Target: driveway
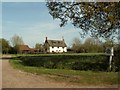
(13,78)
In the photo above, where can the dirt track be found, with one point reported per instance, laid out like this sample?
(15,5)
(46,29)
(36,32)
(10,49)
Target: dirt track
(12,78)
(0,74)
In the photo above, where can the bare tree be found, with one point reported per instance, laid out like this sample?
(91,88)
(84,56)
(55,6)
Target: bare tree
(76,45)
(92,45)
(16,40)
(39,47)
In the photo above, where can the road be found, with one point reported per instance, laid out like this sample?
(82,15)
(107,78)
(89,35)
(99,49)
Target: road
(13,78)
(0,73)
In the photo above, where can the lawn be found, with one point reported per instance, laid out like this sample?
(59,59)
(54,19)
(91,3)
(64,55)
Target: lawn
(74,76)
(60,54)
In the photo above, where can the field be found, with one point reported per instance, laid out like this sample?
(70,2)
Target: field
(66,74)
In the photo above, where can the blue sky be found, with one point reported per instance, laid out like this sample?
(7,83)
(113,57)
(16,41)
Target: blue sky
(32,22)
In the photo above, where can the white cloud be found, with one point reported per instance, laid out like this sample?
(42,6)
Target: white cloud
(36,32)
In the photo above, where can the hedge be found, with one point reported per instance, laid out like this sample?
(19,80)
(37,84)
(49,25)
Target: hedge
(74,62)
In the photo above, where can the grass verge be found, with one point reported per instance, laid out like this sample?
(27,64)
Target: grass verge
(74,76)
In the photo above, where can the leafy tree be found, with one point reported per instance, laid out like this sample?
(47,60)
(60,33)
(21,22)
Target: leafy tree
(101,19)
(4,45)
(12,50)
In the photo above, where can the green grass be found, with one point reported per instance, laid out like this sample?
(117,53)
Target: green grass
(74,76)
(60,54)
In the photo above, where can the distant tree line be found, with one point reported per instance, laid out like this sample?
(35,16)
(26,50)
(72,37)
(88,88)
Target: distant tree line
(90,45)
(13,48)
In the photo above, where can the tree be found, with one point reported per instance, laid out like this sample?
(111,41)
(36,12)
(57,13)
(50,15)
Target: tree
(12,50)
(101,19)
(108,43)
(76,45)
(5,45)
(92,45)
(16,41)
(39,47)
(118,37)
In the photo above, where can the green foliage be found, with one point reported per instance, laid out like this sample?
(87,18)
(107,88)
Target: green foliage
(12,50)
(5,46)
(68,61)
(101,19)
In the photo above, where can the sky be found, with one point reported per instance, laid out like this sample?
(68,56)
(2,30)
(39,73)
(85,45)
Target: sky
(0,19)
(32,22)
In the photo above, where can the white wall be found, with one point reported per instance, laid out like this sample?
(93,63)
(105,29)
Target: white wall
(65,49)
(50,49)
(58,49)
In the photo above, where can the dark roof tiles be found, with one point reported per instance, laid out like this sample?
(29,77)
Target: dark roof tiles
(56,43)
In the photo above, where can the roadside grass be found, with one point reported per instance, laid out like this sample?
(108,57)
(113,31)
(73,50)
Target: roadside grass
(60,54)
(73,76)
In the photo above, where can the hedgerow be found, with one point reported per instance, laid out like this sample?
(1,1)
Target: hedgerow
(74,62)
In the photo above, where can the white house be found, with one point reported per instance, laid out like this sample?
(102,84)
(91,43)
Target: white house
(57,46)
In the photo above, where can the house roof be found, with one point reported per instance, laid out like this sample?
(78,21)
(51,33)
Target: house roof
(33,49)
(56,43)
(24,47)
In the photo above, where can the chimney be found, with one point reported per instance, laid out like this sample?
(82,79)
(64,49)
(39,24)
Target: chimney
(62,38)
(46,38)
